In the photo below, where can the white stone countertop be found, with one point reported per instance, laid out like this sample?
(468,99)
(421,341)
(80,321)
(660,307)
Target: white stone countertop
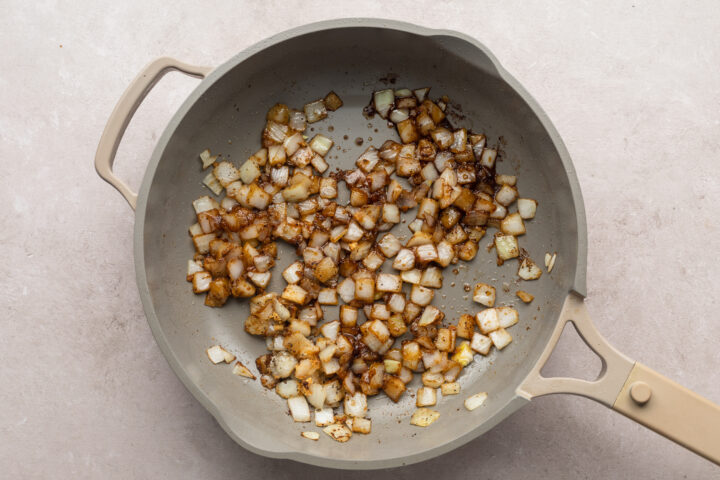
(632,86)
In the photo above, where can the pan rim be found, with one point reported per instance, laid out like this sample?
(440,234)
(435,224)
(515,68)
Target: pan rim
(511,406)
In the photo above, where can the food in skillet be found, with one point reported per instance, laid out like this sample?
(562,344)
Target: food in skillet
(351,254)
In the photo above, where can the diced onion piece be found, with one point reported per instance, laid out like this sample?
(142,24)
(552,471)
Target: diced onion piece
(405,260)
(529,270)
(324,417)
(445,252)
(399,115)
(431,277)
(500,212)
(452,388)
(524,296)
(206,158)
(465,326)
(506,195)
(487,320)
(226,173)
(421,93)
(430,315)
(500,338)
(526,207)
(310,435)
(355,405)
(551,263)
(487,159)
(193,267)
(412,276)
(480,343)
(282,364)
(507,316)
(249,171)
(513,225)
(392,366)
(297,121)
(339,433)
(473,402)
(426,397)
(361,425)
(386,282)
(463,354)
(201,282)
(299,409)
(389,245)
(288,388)
(218,354)
(422,417)
(421,295)
(383,100)
(442,137)
(212,183)
(509,180)
(295,294)
(333,101)
(367,161)
(331,329)
(260,279)
(346,290)
(315,395)
(325,270)
(328,296)
(242,371)
(321,144)
(196,229)
(293,143)
(315,111)
(506,247)
(484,294)
(319,163)
(293,273)
(204,203)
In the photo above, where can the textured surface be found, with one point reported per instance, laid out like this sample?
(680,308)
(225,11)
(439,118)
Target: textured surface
(633,89)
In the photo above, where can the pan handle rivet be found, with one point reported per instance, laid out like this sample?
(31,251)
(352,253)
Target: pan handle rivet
(640,392)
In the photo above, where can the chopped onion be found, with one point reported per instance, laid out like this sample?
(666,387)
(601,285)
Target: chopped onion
(383,100)
(242,371)
(339,433)
(529,270)
(475,401)
(299,409)
(426,397)
(424,417)
(500,338)
(315,111)
(310,435)
(480,343)
(484,294)
(399,115)
(218,354)
(421,93)
(524,296)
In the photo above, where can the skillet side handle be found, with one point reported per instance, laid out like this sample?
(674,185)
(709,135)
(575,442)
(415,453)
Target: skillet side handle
(124,111)
(671,410)
(630,388)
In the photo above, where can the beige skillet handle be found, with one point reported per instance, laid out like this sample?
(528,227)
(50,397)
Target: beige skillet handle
(631,389)
(124,111)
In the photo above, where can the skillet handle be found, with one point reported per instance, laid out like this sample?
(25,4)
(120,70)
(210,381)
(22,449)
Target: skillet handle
(631,388)
(124,111)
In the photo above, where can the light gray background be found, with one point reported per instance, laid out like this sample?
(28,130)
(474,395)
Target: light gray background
(633,88)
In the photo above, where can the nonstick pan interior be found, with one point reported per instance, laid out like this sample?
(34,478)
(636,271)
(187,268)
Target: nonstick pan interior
(226,114)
